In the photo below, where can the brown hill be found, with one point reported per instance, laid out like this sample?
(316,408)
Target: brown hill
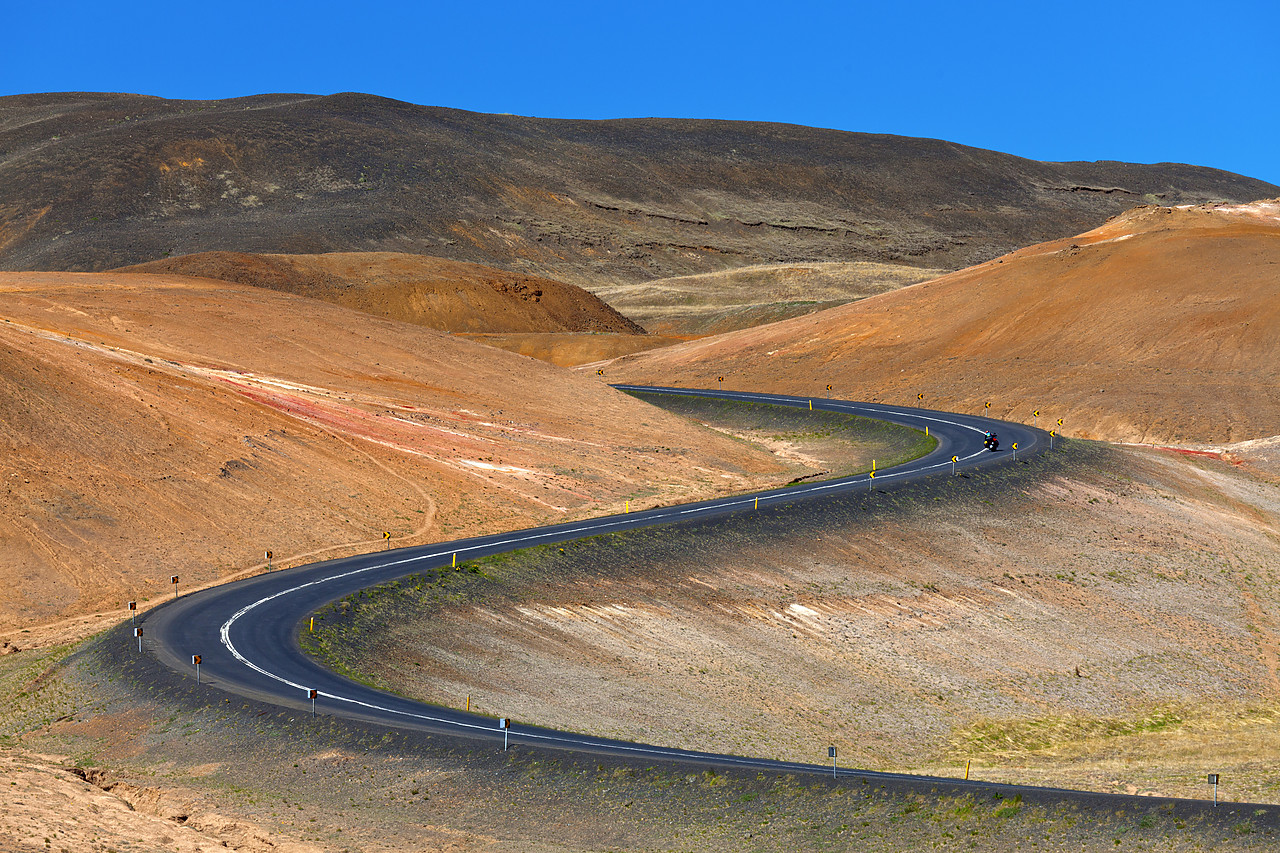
(98,181)
(1161,326)
(433,292)
(159,425)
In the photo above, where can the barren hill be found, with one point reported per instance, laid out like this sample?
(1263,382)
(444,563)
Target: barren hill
(433,292)
(1161,326)
(97,181)
(156,425)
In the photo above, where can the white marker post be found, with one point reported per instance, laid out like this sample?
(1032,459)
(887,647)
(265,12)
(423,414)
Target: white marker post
(831,753)
(505,725)
(137,632)
(195,661)
(1213,780)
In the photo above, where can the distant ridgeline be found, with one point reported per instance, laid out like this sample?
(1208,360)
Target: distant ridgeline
(98,181)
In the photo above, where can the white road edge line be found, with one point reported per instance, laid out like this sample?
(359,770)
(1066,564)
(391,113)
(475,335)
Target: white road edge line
(596,526)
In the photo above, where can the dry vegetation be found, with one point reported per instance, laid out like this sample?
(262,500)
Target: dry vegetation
(712,303)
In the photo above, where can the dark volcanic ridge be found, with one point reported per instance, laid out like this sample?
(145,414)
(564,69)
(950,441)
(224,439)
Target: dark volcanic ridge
(93,181)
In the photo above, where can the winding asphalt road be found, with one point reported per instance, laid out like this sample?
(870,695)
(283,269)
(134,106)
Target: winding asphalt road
(247,632)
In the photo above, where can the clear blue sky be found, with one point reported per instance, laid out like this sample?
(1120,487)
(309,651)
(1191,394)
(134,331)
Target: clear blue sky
(1121,80)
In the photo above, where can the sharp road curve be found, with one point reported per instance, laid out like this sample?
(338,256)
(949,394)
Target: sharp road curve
(247,632)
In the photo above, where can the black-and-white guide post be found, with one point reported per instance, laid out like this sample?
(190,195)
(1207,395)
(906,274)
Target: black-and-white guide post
(831,753)
(1213,780)
(195,661)
(505,725)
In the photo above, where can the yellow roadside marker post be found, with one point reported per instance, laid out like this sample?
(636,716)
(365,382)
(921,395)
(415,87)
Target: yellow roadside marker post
(268,561)
(1015,451)
(1035,416)
(387,536)
(966,769)
(1052,433)
(454,564)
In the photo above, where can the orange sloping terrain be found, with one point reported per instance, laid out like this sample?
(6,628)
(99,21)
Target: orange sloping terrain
(1162,326)
(156,426)
(441,294)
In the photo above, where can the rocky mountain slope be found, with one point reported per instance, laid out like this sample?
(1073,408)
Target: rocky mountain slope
(97,181)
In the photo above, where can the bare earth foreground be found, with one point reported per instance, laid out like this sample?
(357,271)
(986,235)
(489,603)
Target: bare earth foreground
(859,624)
(156,427)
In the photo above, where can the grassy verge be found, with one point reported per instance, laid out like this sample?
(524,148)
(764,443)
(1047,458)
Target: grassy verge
(842,443)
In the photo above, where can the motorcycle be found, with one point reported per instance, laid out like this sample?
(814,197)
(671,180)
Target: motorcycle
(991,442)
